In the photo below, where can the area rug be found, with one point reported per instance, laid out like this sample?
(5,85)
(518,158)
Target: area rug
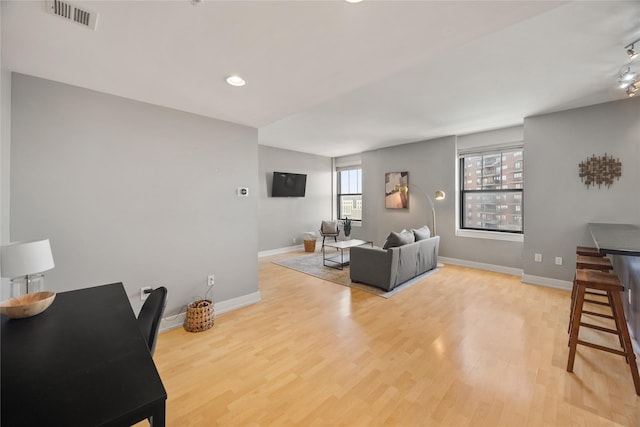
(312,265)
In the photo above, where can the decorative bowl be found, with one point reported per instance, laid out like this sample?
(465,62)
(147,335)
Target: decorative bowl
(27,305)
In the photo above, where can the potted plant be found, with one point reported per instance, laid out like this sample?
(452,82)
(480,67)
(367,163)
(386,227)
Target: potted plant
(346,222)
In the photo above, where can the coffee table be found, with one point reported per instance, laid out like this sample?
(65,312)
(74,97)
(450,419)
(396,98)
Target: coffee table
(339,261)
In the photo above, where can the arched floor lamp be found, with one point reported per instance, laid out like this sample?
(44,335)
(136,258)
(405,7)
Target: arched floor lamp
(439,195)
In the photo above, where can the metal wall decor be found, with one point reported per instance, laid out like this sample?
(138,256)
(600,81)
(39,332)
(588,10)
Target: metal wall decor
(600,170)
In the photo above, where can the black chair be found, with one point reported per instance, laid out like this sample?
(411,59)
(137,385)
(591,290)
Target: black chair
(329,229)
(150,316)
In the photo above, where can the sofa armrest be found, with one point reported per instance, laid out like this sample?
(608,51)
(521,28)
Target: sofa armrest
(374,266)
(428,258)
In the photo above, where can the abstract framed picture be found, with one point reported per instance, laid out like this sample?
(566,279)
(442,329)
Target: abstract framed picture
(396,193)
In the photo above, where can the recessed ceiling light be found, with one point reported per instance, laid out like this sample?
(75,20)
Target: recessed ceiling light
(236,80)
(353,1)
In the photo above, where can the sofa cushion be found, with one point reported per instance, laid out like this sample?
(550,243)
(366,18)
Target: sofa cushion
(398,239)
(421,233)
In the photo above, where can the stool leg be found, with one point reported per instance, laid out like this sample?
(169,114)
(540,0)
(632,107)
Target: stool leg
(616,319)
(628,348)
(573,303)
(575,327)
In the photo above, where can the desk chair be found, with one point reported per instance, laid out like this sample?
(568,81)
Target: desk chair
(329,229)
(150,316)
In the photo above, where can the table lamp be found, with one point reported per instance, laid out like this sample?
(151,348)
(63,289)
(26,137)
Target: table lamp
(24,262)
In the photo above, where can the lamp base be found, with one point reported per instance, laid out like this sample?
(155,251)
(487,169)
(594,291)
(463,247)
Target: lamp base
(31,283)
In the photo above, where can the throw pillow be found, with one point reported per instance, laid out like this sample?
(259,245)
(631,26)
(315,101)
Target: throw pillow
(329,227)
(398,239)
(422,233)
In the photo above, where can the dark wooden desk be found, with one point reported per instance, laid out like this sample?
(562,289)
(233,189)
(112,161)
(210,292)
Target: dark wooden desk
(83,362)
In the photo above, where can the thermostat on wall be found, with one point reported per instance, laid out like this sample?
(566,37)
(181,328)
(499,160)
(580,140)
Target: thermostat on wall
(243,191)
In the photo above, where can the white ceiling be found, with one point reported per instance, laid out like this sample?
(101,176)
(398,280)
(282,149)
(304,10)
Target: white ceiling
(333,78)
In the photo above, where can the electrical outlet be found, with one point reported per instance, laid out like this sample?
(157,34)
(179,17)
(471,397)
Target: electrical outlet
(293,240)
(629,296)
(537,257)
(211,280)
(144,295)
(558,260)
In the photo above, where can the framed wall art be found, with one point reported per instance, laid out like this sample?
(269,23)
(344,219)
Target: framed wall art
(396,193)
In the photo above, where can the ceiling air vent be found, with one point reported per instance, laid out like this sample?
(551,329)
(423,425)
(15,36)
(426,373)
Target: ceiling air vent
(73,13)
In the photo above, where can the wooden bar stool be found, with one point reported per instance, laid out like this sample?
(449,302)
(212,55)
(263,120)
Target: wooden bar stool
(588,251)
(599,263)
(609,283)
(593,263)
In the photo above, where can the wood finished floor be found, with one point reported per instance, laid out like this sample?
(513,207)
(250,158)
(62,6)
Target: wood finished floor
(462,348)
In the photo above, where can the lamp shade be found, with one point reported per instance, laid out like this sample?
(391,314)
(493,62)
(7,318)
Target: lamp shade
(24,258)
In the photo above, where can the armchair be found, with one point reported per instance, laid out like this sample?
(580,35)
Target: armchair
(329,229)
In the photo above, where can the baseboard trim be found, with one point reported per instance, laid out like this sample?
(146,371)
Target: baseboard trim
(547,282)
(172,322)
(481,266)
(525,278)
(280,251)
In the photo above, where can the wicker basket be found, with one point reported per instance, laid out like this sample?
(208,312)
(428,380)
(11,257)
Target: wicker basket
(200,316)
(309,245)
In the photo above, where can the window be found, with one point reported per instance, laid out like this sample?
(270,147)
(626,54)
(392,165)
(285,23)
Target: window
(350,193)
(493,200)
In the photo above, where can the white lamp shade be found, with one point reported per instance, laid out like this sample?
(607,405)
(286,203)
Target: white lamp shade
(23,258)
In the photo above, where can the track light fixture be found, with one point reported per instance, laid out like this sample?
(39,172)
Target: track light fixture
(623,84)
(631,49)
(627,75)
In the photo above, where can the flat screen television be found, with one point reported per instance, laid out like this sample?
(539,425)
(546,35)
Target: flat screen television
(287,184)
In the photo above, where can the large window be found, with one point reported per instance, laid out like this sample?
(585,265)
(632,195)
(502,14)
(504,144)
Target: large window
(350,193)
(491,190)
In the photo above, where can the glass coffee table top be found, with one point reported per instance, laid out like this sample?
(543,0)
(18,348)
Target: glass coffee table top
(339,258)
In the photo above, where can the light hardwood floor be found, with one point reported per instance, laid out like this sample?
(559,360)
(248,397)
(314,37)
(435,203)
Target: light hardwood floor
(462,348)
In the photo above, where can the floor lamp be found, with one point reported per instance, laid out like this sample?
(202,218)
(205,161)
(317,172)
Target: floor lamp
(439,195)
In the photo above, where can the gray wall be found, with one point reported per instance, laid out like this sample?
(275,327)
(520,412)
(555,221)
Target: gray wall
(282,220)
(132,192)
(558,205)
(482,250)
(5,150)
(431,167)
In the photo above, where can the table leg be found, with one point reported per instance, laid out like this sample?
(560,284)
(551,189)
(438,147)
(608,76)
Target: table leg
(157,418)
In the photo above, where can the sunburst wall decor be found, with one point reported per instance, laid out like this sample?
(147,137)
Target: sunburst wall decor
(600,170)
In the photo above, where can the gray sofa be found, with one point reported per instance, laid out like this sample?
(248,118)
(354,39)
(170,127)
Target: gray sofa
(390,267)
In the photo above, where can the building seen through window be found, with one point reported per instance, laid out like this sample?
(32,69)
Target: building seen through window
(350,193)
(492,184)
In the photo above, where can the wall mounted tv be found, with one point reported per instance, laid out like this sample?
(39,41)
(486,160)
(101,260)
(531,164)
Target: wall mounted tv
(288,184)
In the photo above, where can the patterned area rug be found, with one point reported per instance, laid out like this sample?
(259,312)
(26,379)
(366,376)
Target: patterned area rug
(311,264)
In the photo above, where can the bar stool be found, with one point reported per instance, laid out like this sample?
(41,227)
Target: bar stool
(600,263)
(609,283)
(593,263)
(588,251)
